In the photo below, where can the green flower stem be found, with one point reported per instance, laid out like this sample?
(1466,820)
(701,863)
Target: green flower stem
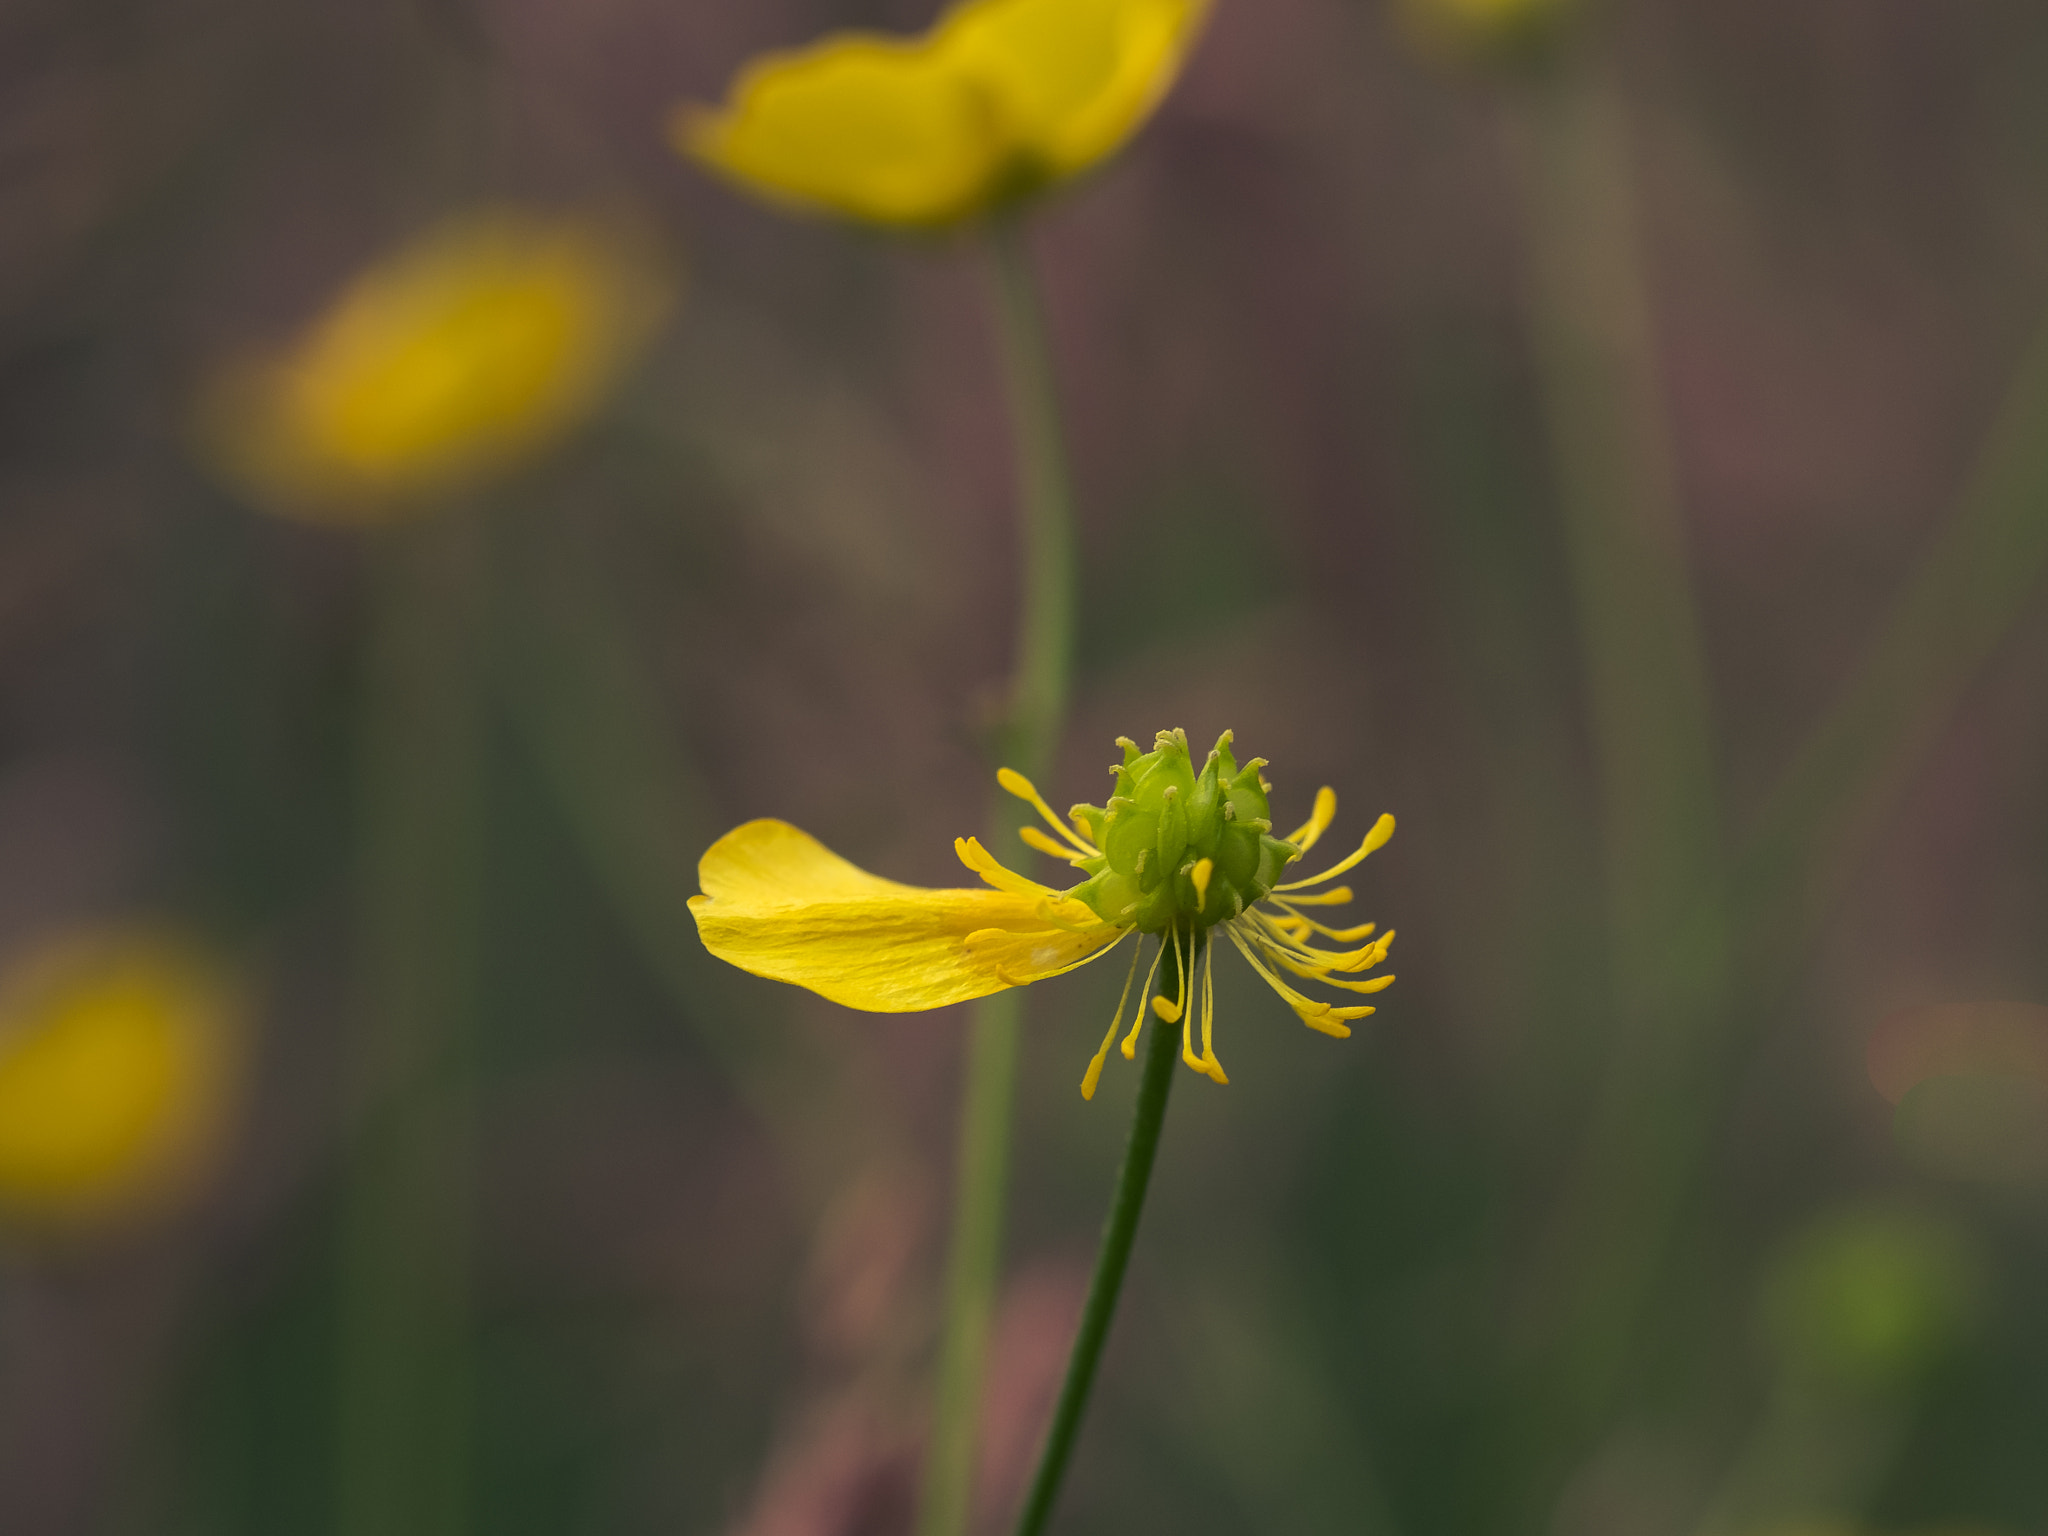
(1648,704)
(1026,739)
(403,1414)
(1045,625)
(1162,1049)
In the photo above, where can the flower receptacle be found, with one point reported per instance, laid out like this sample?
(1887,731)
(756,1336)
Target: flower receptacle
(1164,822)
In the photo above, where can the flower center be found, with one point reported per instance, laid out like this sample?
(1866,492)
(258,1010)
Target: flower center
(1181,846)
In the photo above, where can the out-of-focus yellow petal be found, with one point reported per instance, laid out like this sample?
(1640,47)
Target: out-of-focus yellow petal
(886,130)
(1074,78)
(115,1065)
(466,351)
(780,904)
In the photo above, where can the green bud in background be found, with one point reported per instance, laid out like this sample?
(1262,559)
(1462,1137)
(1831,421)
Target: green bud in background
(1873,1294)
(1181,846)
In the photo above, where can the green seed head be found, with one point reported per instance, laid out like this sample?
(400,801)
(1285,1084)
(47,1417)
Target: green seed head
(1163,821)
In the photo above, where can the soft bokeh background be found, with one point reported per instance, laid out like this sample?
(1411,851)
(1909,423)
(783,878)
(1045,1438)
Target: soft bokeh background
(775,576)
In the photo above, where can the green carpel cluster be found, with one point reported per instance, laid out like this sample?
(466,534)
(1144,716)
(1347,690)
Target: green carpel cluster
(1163,821)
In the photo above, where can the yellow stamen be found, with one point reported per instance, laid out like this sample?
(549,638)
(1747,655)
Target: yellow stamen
(1306,835)
(1173,1011)
(1094,1073)
(1318,1016)
(1045,845)
(1209,1062)
(1310,925)
(1375,839)
(1270,933)
(1130,1045)
(1203,871)
(1024,790)
(986,865)
(1335,897)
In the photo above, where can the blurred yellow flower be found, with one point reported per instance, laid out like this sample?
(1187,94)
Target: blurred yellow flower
(477,345)
(999,99)
(116,1057)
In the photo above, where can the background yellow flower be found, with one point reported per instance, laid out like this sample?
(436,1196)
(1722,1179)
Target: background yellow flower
(999,99)
(116,1054)
(468,350)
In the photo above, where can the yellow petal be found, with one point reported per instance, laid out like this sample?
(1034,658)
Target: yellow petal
(780,904)
(1073,78)
(881,129)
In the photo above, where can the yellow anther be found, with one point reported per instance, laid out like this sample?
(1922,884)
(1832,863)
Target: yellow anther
(1094,1073)
(1304,836)
(1374,840)
(1016,784)
(1204,869)
(1167,1009)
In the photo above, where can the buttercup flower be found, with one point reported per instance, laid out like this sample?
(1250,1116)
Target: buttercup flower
(1178,854)
(998,100)
(479,344)
(116,1054)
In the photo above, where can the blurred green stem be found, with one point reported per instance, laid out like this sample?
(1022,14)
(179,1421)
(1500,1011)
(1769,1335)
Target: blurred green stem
(591,719)
(1646,690)
(1126,1205)
(1975,583)
(403,1415)
(1026,740)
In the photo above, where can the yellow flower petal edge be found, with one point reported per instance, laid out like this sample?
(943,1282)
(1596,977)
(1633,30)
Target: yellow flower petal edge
(475,346)
(779,904)
(997,100)
(876,129)
(1075,78)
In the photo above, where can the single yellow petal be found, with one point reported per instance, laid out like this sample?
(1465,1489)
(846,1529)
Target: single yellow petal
(780,904)
(1073,78)
(881,129)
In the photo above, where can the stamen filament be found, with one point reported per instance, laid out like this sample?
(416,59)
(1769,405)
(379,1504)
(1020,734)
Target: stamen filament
(1026,791)
(1173,1011)
(1045,845)
(1094,1073)
(1309,832)
(1317,1016)
(1376,839)
(1336,897)
(1130,1045)
(1209,1061)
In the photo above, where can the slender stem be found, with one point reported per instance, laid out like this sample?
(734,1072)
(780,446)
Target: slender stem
(403,1414)
(1045,623)
(1113,1258)
(1647,700)
(1026,741)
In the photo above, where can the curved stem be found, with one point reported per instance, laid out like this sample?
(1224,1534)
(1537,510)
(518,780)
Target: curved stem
(1028,735)
(1126,1206)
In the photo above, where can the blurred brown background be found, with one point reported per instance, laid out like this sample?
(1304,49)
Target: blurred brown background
(774,577)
